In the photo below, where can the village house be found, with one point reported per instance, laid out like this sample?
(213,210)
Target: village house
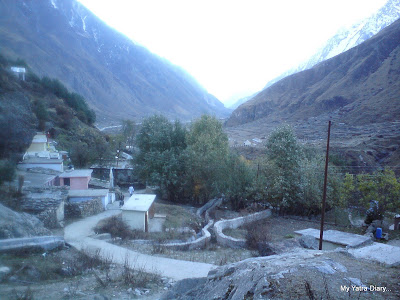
(137,211)
(77,196)
(19,72)
(76,179)
(247,143)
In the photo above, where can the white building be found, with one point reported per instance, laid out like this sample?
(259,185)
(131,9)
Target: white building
(137,211)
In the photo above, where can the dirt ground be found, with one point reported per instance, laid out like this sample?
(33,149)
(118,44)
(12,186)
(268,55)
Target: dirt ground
(62,275)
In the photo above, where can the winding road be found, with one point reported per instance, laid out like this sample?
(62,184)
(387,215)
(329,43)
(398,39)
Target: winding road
(79,233)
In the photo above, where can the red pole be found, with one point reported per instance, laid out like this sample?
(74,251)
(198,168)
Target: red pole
(321,232)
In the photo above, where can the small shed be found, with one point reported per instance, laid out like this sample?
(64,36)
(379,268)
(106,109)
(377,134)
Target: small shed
(76,196)
(76,179)
(137,211)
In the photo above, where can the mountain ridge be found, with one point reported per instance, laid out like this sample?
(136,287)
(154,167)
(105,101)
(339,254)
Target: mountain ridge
(119,78)
(342,41)
(363,80)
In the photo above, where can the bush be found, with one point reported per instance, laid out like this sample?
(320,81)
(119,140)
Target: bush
(258,238)
(7,171)
(117,228)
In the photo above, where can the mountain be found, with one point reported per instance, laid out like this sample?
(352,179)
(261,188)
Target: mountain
(240,101)
(359,90)
(363,83)
(120,79)
(347,38)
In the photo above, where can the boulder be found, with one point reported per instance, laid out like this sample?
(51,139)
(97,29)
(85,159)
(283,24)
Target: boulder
(309,242)
(17,225)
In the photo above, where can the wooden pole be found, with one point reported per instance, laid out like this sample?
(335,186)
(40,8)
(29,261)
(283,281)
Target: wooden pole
(321,232)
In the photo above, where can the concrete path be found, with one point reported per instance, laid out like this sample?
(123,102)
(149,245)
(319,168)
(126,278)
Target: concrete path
(78,235)
(360,246)
(338,237)
(385,254)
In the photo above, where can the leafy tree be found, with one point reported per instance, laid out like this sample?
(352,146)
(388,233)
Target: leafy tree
(160,160)
(41,113)
(283,180)
(381,186)
(207,158)
(129,132)
(80,154)
(312,182)
(7,171)
(347,193)
(238,180)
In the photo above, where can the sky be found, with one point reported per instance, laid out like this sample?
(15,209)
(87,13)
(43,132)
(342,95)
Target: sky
(231,47)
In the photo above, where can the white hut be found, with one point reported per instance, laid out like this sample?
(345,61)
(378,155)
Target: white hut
(137,211)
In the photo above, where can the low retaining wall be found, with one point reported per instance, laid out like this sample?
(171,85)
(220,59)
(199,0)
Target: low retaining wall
(199,243)
(39,242)
(231,242)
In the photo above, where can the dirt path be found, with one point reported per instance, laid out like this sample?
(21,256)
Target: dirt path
(78,235)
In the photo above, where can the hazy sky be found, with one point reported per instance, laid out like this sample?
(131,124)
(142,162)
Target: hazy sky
(232,47)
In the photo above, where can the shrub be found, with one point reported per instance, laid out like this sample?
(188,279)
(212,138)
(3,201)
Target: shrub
(258,238)
(7,171)
(117,228)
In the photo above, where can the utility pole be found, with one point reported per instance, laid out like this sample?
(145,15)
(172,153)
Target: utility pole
(321,232)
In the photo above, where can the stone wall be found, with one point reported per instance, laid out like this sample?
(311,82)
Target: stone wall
(46,203)
(83,209)
(199,243)
(231,242)
(53,217)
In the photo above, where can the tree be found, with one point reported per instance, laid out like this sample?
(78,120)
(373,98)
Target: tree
(129,132)
(381,186)
(7,171)
(207,158)
(238,180)
(283,170)
(160,160)
(80,154)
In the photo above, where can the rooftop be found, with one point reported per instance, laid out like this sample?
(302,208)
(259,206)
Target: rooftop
(87,193)
(39,138)
(34,179)
(39,160)
(77,173)
(139,202)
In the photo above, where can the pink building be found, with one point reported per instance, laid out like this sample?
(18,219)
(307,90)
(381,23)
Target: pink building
(76,179)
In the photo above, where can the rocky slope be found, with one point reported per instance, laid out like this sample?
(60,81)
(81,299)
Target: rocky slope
(64,40)
(17,225)
(304,274)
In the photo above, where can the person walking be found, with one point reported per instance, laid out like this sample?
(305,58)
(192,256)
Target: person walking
(131,190)
(121,202)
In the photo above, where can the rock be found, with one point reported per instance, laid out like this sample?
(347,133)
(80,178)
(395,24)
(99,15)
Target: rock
(17,225)
(355,281)
(4,271)
(182,287)
(137,292)
(381,224)
(129,290)
(309,242)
